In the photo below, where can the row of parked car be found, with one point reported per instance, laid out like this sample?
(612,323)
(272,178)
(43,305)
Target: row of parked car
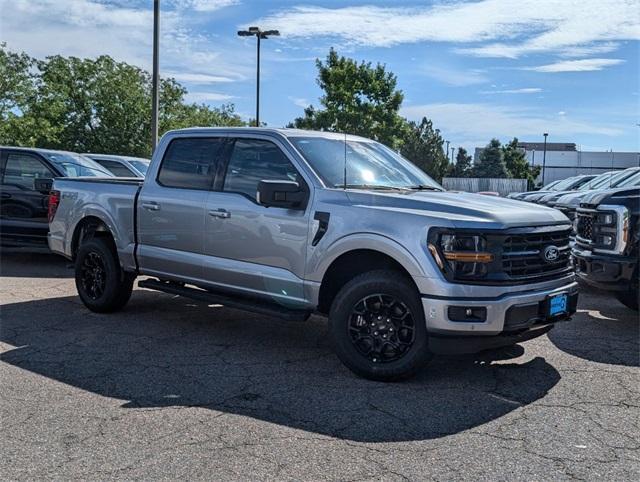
(26,175)
(605,213)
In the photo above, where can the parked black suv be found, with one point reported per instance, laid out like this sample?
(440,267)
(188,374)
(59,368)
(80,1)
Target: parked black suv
(607,239)
(26,175)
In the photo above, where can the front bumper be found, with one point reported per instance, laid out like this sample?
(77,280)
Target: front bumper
(510,318)
(607,272)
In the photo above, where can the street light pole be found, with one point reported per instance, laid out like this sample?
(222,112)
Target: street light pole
(544,156)
(260,34)
(155,77)
(452,151)
(447,151)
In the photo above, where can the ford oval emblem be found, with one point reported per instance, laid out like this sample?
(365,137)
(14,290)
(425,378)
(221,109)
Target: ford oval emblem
(551,254)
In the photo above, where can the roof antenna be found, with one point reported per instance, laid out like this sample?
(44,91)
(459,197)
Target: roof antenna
(344,184)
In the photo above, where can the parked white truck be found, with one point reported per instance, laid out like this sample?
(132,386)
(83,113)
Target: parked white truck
(288,223)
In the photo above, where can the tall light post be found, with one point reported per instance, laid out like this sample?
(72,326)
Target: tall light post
(447,151)
(155,76)
(452,150)
(544,156)
(260,34)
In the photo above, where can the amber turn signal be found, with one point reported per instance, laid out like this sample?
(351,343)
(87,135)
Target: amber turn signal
(468,257)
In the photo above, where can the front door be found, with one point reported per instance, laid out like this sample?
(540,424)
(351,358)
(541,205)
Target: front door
(171,213)
(23,209)
(250,248)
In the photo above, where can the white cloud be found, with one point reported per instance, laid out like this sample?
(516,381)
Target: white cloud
(123,30)
(458,78)
(525,90)
(470,122)
(300,101)
(581,65)
(203,5)
(207,97)
(196,78)
(515,27)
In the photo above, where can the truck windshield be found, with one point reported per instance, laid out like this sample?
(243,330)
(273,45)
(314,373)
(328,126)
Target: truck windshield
(369,165)
(75,165)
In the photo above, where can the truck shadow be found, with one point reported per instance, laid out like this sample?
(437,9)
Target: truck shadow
(20,264)
(603,331)
(162,351)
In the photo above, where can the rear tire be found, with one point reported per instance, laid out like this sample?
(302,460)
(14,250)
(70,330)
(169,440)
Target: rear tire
(102,285)
(377,326)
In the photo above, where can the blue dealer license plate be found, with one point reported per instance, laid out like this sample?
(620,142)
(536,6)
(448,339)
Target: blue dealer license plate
(557,305)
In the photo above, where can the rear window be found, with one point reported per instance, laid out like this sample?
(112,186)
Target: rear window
(116,168)
(190,163)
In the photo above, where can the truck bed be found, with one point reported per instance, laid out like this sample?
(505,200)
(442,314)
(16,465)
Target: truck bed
(111,200)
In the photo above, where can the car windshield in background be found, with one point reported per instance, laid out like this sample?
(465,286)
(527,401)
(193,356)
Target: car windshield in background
(631,181)
(75,165)
(604,181)
(141,166)
(369,165)
(566,184)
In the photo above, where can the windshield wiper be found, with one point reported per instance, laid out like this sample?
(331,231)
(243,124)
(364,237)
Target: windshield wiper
(424,187)
(374,187)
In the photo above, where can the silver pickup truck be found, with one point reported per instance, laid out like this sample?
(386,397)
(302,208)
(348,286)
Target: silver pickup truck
(288,223)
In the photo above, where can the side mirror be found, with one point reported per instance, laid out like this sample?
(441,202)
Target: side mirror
(281,194)
(43,184)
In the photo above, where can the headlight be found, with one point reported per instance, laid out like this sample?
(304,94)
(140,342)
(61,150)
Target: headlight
(462,255)
(605,230)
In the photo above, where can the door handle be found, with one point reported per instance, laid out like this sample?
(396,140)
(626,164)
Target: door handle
(220,213)
(151,206)
(5,195)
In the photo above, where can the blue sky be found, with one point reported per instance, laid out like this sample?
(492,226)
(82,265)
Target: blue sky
(479,69)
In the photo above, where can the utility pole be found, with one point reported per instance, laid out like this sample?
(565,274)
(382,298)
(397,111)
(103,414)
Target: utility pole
(155,78)
(544,156)
(260,34)
(447,151)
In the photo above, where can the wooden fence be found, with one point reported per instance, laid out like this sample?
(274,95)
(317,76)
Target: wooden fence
(476,184)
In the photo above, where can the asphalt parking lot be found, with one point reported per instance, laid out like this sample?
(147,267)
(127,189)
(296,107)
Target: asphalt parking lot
(171,388)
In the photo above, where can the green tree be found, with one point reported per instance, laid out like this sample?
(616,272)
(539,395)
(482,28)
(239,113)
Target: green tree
(92,105)
(358,98)
(491,162)
(517,164)
(423,145)
(463,166)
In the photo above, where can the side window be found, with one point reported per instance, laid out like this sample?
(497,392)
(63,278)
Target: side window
(190,163)
(23,169)
(115,168)
(254,160)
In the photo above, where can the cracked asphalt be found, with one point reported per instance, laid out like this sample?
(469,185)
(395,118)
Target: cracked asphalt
(171,388)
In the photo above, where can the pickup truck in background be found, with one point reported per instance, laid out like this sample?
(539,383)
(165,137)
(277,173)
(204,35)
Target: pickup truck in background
(607,244)
(26,175)
(290,222)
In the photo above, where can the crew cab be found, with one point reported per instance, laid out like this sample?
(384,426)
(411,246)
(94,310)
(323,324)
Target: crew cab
(290,222)
(26,175)
(608,243)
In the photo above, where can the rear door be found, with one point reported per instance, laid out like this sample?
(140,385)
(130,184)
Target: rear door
(23,209)
(170,208)
(250,248)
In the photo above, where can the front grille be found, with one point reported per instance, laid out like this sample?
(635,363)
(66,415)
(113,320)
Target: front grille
(523,255)
(584,228)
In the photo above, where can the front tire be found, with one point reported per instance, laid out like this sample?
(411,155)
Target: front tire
(102,285)
(377,326)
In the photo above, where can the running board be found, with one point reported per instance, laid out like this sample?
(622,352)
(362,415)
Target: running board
(237,302)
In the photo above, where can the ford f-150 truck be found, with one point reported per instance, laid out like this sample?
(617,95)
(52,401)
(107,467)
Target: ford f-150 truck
(608,243)
(289,222)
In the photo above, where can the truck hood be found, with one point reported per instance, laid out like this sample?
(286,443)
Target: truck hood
(613,196)
(462,210)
